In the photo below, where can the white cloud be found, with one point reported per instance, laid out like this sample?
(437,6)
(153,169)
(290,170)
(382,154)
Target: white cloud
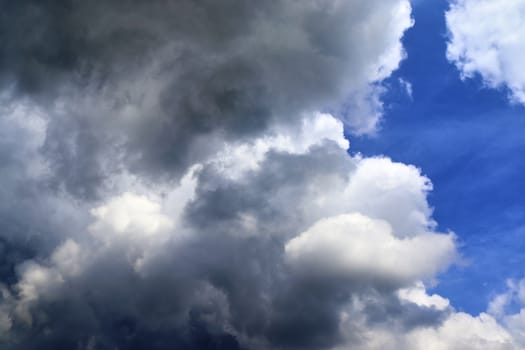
(516,325)
(130,214)
(36,282)
(391,191)
(487,39)
(503,306)
(462,331)
(455,331)
(417,294)
(353,246)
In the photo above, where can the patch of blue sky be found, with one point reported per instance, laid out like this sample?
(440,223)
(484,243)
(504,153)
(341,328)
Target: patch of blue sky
(469,140)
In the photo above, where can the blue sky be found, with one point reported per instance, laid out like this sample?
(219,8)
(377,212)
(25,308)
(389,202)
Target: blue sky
(468,139)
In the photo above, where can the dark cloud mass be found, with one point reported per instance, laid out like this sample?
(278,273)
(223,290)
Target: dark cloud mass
(160,84)
(171,179)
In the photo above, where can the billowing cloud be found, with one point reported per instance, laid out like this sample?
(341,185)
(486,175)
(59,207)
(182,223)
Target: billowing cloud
(292,249)
(155,86)
(355,246)
(176,175)
(486,38)
(462,331)
(454,330)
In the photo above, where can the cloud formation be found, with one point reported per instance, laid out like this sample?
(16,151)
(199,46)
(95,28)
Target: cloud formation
(292,249)
(353,245)
(176,175)
(486,38)
(156,86)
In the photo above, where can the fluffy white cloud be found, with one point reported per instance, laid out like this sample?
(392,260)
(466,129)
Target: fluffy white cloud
(417,294)
(462,331)
(391,191)
(456,330)
(516,326)
(486,38)
(354,246)
(130,214)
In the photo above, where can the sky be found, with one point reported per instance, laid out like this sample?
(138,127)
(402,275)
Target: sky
(317,174)
(468,139)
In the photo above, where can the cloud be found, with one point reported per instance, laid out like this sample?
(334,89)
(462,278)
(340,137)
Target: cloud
(176,175)
(417,294)
(462,331)
(407,86)
(300,246)
(509,309)
(453,330)
(153,87)
(355,246)
(130,214)
(486,39)
(33,219)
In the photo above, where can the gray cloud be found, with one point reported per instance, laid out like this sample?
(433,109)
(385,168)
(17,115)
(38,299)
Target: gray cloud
(156,86)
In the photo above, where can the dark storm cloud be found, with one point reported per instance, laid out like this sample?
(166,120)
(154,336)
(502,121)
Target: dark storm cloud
(32,220)
(194,72)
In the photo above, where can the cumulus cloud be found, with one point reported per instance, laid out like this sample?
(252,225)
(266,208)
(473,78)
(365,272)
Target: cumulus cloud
(486,38)
(353,245)
(176,175)
(463,331)
(454,330)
